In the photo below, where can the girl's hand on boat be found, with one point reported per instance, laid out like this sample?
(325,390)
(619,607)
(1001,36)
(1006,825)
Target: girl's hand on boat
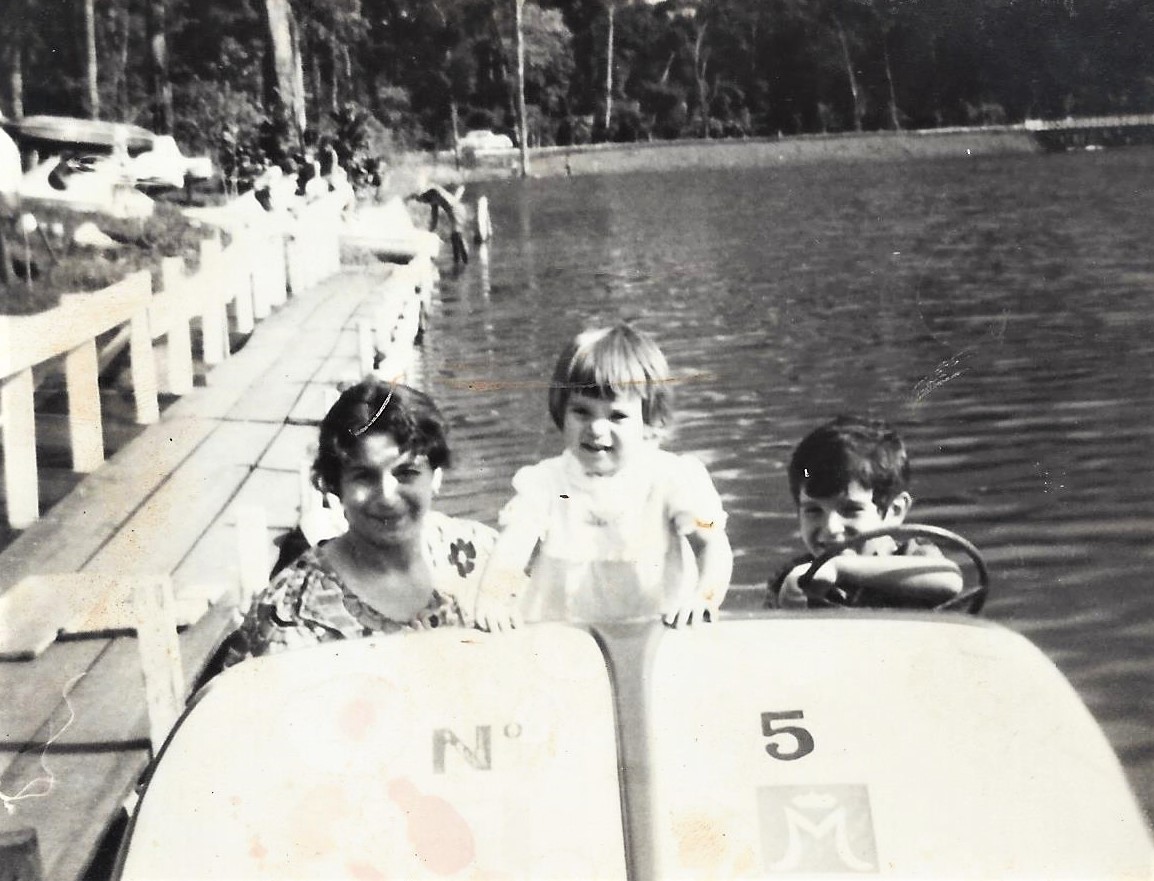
(696,611)
(496,616)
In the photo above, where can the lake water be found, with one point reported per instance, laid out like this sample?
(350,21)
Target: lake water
(997,310)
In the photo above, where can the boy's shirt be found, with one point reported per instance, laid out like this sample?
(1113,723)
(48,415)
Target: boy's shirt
(863,598)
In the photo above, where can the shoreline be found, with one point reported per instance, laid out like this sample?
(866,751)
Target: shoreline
(545,162)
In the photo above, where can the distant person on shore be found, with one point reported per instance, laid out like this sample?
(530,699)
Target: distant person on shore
(451,203)
(847,477)
(398,565)
(614,528)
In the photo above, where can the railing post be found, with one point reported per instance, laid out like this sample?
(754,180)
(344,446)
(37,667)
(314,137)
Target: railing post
(144,387)
(85,425)
(238,260)
(294,268)
(274,258)
(259,276)
(213,314)
(18,434)
(366,347)
(155,611)
(180,369)
(252,544)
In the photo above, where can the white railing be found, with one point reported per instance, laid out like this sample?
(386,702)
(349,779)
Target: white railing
(255,273)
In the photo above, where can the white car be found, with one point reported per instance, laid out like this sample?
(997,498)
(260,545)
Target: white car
(165,165)
(94,183)
(483,140)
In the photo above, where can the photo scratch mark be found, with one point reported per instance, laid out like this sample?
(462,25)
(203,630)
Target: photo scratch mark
(491,385)
(41,787)
(950,368)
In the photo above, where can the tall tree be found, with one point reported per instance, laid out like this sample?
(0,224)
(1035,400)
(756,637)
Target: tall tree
(92,90)
(885,14)
(116,66)
(611,8)
(522,116)
(160,85)
(12,60)
(700,67)
(16,33)
(285,88)
(856,96)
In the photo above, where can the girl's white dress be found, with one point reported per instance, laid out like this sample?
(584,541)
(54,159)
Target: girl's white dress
(611,548)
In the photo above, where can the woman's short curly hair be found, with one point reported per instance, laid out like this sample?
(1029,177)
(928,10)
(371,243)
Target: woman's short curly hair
(371,407)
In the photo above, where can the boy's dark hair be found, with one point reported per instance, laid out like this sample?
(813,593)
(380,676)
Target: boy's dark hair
(612,361)
(846,449)
(370,407)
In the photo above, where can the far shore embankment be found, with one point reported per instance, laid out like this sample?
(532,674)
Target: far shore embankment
(737,153)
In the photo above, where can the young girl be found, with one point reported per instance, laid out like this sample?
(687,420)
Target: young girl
(613,528)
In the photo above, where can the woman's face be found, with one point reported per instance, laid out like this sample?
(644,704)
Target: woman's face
(385,492)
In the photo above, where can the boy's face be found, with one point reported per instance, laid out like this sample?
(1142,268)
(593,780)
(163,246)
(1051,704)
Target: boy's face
(835,519)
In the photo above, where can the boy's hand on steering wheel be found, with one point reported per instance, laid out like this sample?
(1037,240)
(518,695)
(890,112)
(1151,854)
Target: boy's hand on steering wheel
(793,596)
(822,581)
(790,596)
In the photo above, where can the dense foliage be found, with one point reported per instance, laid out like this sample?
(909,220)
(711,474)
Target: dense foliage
(404,70)
(47,259)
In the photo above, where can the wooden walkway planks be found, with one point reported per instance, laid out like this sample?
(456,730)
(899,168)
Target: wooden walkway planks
(164,503)
(96,763)
(41,607)
(69,534)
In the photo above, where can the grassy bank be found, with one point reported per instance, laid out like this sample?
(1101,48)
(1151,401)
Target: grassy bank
(676,155)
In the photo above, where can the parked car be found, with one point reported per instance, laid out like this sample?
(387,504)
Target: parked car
(165,166)
(483,140)
(142,158)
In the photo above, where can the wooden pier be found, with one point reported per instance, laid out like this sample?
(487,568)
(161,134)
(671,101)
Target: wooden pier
(176,528)
(1092,132)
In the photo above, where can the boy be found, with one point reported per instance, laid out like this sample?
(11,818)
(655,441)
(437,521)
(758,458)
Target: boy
(848,477)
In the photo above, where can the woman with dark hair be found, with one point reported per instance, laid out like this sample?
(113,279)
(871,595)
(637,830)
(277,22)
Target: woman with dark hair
(399,565)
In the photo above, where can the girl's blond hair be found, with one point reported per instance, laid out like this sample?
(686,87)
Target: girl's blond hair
(610,362)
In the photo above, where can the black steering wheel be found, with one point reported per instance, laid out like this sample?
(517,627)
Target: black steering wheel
(969,600)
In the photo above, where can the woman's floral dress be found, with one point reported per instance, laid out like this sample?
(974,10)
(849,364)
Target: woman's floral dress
(307,602)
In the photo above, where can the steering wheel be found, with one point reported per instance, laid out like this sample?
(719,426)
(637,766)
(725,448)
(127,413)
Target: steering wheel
(970,599)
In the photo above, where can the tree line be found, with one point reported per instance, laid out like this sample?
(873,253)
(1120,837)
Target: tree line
(410,73)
